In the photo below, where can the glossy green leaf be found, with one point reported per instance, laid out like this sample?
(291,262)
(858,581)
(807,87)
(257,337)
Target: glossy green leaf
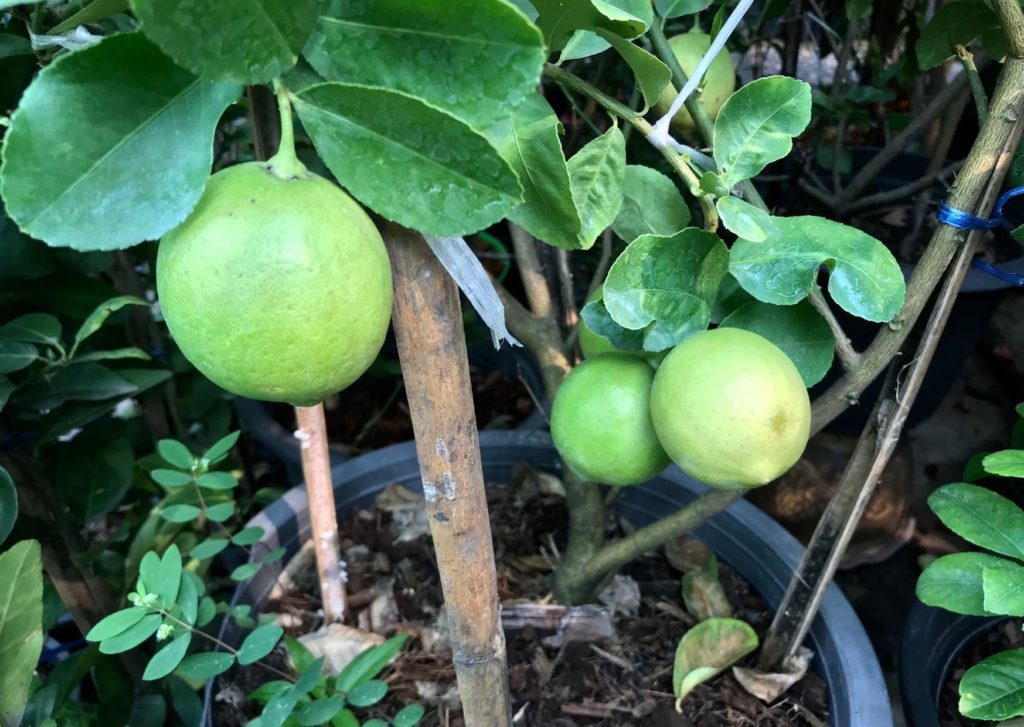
(677,8)
(408,716)
(248,536)
(981,516)
(207,611)
(245,571)
(954,23)
(369,663)
(707,649)
(170,478)
(595,314)
(277,710)
(93,12)
(955,582)
(597,173)
(149,570)
(400,46)
(651,205)
(994,688)
(757,124)
(99,316)
(528,141)
(309,676)
(864,278)
(319,711)
(116,354)
(168,577)
(368,693)
(666,286)
(133,636)
(1007,463)
(583,44)
(21,625)
(206,665)
(221,447)
(217,481)
(259,643)
(110,146)
(238,40)
(15,356)
(651,74)
(300,656)
(77,382)
(8,504)
(167,659)
(745,220)
(180,513)
(188,597)
(408,161)
(220,512)
(94,471)
(39,328)
(175,453)
(799,330)
(208,548)
(559,19)
(1003,590)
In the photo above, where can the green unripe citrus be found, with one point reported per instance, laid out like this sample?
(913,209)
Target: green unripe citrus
(276,289)
(601,421)
(719,81)
(730,409)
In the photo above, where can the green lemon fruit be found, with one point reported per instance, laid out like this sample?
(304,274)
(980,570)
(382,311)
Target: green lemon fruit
(601,421)
(719,81)
(276,289)
(730,409)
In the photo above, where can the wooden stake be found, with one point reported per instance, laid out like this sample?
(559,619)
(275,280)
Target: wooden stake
(432,350)
(316,469)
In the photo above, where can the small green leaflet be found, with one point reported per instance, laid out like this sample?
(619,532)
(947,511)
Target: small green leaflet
(99,316)
(652,75)
(745,220)
(168,658)
(1008,463)
(259,643)
(559,19)
(596,177)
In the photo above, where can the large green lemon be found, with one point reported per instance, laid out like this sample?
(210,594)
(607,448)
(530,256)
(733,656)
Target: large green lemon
(601,421)
(730,409)
(719,81)
(276,289)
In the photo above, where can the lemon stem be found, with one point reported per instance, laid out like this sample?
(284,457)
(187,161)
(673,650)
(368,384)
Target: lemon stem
(285,164)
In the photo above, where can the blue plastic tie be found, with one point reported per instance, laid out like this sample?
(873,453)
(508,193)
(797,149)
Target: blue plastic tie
(966,221)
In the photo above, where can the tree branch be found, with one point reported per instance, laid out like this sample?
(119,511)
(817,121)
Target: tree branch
(534,281)
(1012,17)
(847,354)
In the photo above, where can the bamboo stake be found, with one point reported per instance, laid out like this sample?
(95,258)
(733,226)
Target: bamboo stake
(432,350)
(316,471)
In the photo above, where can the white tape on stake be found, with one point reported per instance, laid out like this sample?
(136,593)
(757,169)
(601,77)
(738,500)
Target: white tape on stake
(660,137)
(460,262)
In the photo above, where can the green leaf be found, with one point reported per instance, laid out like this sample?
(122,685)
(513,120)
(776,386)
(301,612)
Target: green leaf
(94,471)
(274,555)
(33,328)
(400,46)
(441,176)
(651,205)
(597,173)
(954,23)
(21,625)
(175,453)
(168,577)
(170,478)
(6,389)
(259,643)
(527,139)
(245,572)
(77,382)
(981,516)
(745,220)
(217,481)
(676,8)
(559,19)
(346,718)
(116,354)
(167,659)
(208,548)
(278,709)
(864,279)
(188,597)
(236,40)
(320,711)
(132,637)
(93,12)
(994,688)
(309,676)
(1007,463)
(595,314)
(221,512)
(248,536)
(221,447)
(369,663)
(110,146)
(300,656)
(207,611)
(149,569)
(368,693)
(757,124)
(652,75)
(666,286)
(583,44)
(180,513)
(99,316)
(15,356)
(8,504)
(955,582)
(707,649)
(408,716)
(1003,590)
(799,330)
(206,665)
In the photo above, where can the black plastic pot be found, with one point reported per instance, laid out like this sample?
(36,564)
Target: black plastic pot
(742,536)
(279,443)
(933,640)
